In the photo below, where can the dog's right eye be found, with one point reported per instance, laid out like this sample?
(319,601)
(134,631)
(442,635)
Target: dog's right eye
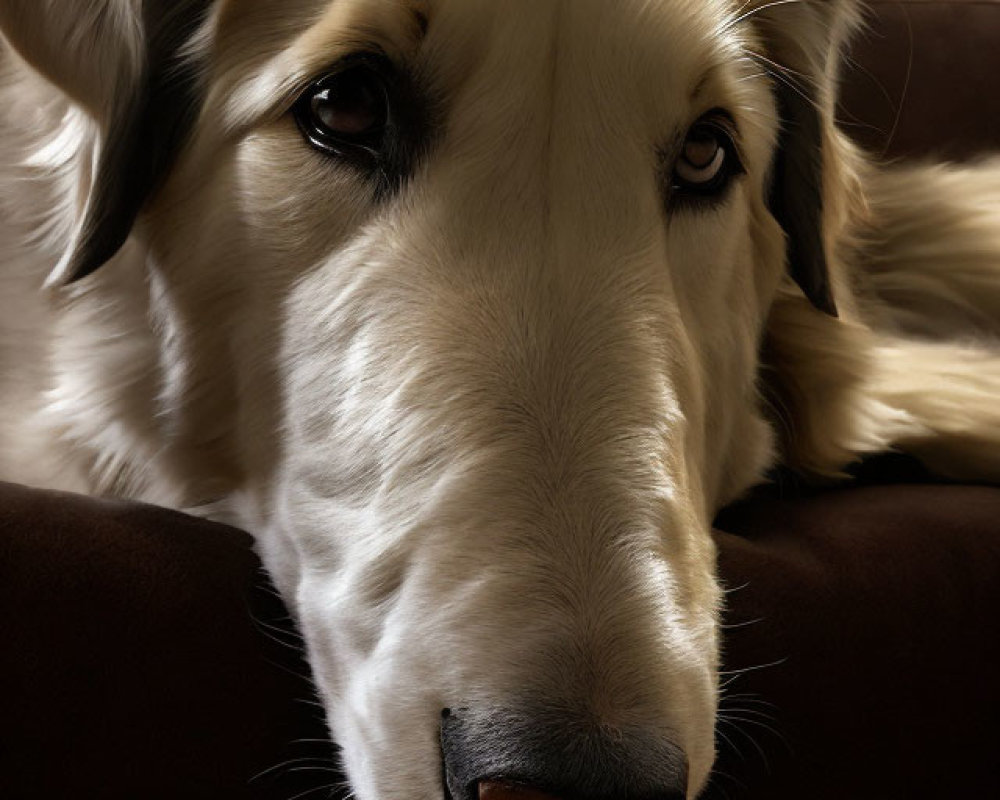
(708,160)
(347,113)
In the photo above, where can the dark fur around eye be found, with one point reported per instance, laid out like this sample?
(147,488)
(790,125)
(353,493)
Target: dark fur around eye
(367,114)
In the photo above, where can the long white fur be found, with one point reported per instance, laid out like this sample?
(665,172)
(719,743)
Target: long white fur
(480,433)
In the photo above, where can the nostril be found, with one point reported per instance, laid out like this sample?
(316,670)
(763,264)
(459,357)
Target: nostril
(500,790)
(518,755)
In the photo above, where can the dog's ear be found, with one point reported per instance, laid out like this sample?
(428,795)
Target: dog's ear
(121,61)
(796,197)
(803,42)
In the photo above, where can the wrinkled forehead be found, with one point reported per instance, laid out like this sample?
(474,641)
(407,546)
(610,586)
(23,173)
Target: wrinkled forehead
(266,51)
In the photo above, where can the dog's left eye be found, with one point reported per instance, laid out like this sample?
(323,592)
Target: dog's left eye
(708,159)
(346,114)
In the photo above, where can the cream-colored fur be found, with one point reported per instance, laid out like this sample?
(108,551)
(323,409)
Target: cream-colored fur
(912,364)
(480,428)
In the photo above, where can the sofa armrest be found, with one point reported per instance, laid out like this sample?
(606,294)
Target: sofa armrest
(145,656)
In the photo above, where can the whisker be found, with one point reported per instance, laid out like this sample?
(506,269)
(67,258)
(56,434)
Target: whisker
(328,769)
(731,712)
(751,76)
(285,765)
(714,786)
(787,76)
(746,735)
(756,58)
(747,697)
(848,117)
(745,15)
(906,86)
(732,626)
(756,668)
(302,676)
(330,787)
(736,674)
(734,720)
(732,745)
(272,632)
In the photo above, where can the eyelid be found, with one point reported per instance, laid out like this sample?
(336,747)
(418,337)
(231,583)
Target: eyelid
(680,193)
(723,121)
(372,56)
(718,118)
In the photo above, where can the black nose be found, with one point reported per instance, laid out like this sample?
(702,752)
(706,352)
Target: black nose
(556,756)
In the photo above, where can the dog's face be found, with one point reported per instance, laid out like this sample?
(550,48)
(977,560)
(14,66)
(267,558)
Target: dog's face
(460,302)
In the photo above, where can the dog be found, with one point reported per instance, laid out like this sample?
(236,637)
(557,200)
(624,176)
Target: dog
(475,313)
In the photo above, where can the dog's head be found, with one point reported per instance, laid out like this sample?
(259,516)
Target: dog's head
(459,303)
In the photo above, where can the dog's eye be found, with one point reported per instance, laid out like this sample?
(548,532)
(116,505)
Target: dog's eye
(346,114)
(708,159)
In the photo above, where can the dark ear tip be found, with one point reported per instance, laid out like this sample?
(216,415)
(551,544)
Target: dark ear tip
(826,304)
(72,269)
(819,295)
(67,276)
(814,282)
(93,251)
(80,272)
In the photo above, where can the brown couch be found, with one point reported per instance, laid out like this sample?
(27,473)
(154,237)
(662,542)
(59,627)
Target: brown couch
(142,654)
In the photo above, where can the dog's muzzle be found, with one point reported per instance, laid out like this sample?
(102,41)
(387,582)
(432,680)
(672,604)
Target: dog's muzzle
(530,755)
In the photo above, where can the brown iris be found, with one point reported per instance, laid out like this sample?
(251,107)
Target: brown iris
(346,113)
(351,104)
(708,159)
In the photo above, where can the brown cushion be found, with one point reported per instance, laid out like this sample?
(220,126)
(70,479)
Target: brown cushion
(868,618)
(143,657)
(139,657)
(922,80)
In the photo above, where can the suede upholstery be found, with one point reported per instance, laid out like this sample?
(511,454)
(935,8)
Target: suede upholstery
(142,654)
(922,79)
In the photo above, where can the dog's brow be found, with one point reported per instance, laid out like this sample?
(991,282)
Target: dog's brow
(394,28)
(708,78)
(262,90)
